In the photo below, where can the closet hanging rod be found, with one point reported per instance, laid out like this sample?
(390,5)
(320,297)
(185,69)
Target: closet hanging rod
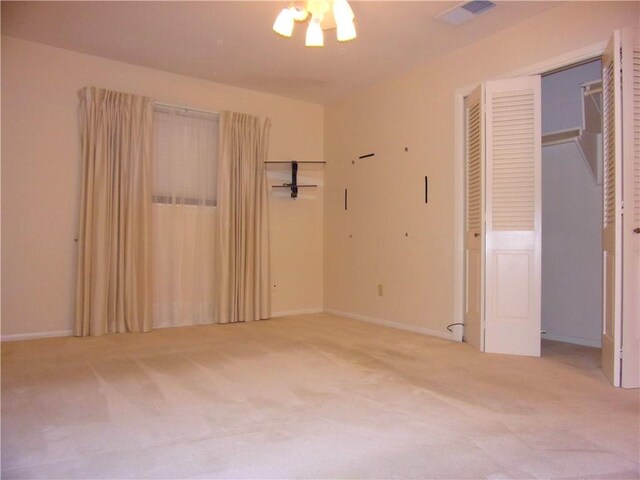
(562,136)
(591,90)
(185,109)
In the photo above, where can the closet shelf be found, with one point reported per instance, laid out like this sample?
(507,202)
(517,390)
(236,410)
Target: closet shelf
(588,137)
(563,136)
(588,143)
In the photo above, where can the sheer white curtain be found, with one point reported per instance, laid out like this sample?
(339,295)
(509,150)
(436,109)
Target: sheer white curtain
(183,216)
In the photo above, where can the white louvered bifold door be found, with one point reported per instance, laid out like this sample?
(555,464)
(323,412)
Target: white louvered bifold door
(513,216)
(630,361)
(612,210)
(474,220)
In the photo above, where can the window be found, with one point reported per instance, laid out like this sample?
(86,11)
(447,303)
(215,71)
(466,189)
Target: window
(185,157)
(183,217)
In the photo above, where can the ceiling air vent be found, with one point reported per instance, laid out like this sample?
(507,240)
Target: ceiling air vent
(466,11)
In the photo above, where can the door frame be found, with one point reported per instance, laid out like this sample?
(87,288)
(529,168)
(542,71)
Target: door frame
(555,63)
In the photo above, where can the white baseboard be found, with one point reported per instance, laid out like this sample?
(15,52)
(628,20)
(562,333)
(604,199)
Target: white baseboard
(163,326)
(289,313)
(354,316)
(587,342)
(387,323)
(33,336)
(69,333)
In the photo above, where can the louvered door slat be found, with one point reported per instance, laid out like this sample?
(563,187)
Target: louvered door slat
(513,200)
(473,167)
(608,142)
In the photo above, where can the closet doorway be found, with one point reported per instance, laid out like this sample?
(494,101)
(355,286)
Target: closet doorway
(499,142)
(572,208)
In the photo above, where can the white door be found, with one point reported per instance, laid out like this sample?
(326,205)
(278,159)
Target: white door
(630,73)
(474,220)
(612,210)
(621,219)
(513,216)
(504,260)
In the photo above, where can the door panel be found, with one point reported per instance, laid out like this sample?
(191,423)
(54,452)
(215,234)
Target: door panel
(513,282)
(474,221)
(630,374)
(512,206)
(612,211)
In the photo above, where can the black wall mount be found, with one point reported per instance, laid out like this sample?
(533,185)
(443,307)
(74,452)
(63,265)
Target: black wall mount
(294,185)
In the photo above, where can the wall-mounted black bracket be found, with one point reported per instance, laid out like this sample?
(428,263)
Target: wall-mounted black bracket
(426,189)
(294,185)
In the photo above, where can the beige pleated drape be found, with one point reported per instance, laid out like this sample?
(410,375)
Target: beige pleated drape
(113,278)
(242,229)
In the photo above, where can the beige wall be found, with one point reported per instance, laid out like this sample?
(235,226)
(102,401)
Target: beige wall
(40,178)
(368,245)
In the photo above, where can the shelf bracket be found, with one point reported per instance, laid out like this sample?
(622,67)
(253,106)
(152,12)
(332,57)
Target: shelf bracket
(294,185)
(294,179)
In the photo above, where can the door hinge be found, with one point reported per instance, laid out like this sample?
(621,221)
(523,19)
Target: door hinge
(620,353)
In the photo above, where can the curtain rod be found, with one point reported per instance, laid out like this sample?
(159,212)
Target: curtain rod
(187,109)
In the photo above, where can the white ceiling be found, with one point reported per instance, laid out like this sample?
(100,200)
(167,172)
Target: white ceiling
(232,42)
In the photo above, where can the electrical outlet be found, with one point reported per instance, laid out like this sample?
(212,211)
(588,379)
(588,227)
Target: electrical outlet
(380,290)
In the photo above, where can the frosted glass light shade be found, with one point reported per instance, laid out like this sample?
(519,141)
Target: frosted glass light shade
(315,37)
(284,23)
(346,31)
(342,11)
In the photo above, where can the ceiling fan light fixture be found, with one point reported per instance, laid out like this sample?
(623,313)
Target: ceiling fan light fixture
(327,14)
(284,23)
(315,37)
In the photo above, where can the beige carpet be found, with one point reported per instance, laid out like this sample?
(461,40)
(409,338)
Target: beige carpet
(308,397)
